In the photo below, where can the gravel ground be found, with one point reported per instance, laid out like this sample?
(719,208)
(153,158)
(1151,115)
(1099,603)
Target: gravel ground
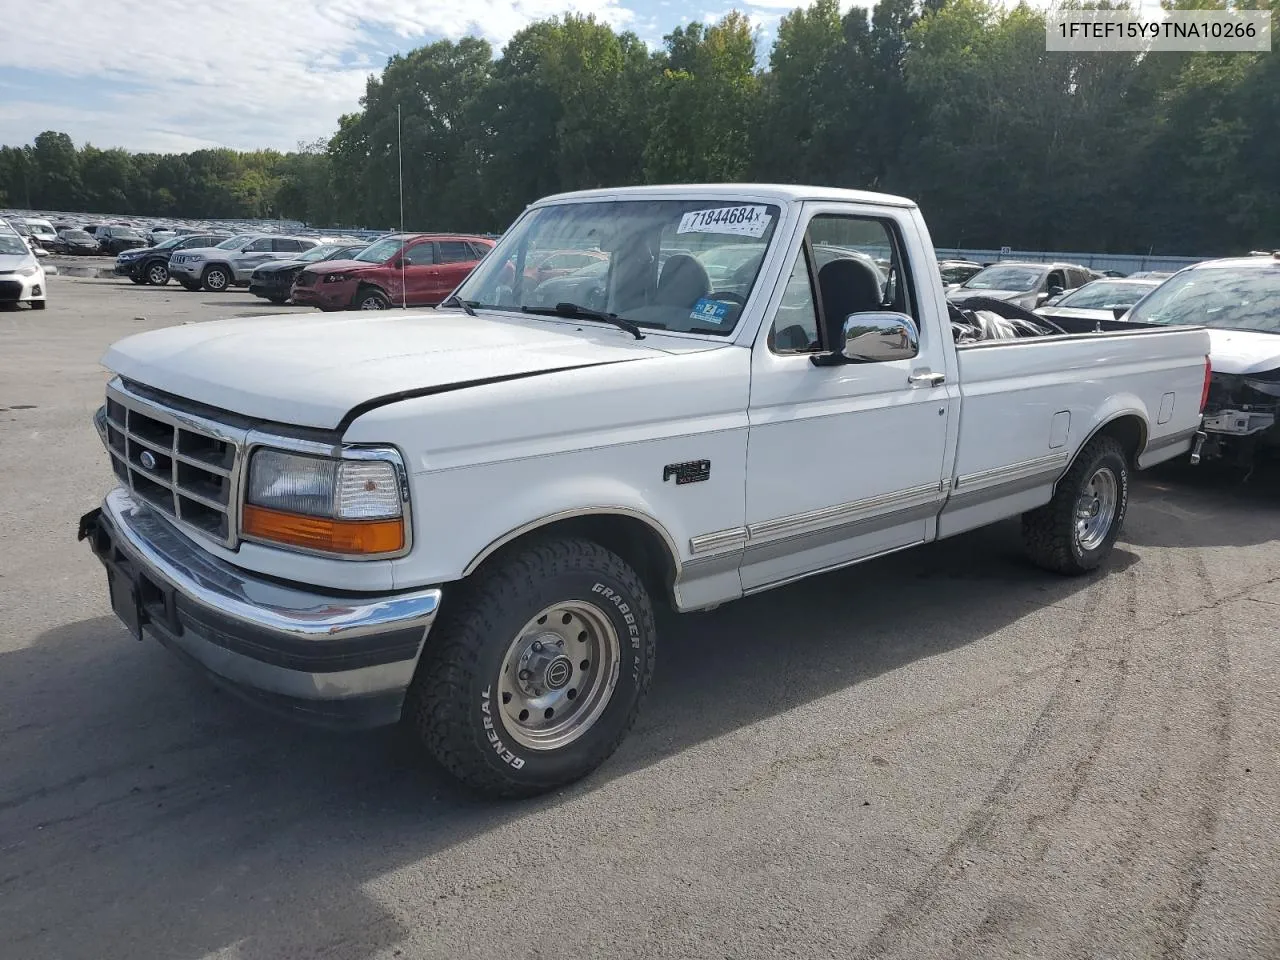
(941,754)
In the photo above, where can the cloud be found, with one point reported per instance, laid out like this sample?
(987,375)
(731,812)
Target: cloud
(174,74)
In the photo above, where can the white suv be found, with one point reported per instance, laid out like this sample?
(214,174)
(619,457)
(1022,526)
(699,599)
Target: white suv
(232,261)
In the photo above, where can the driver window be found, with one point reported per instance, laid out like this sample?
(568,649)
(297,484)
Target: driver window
(259,246)
(855,264)
(421,255)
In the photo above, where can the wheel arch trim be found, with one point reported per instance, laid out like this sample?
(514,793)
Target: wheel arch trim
(576,513)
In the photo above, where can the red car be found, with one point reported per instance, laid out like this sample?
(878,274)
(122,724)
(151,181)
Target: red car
(416,269)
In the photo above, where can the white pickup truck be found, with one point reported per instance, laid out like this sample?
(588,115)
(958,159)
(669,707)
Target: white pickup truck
(463,517)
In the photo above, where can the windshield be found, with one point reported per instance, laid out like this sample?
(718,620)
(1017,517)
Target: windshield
(1005,278)
(233,243)
(169,242)
(381,251)
(1105,294)
(127,234)
(321,252)
(653,250)
(1229,298)
(12,246)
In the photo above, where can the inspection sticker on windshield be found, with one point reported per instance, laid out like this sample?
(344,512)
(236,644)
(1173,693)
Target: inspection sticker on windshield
(743,221)
(710,311)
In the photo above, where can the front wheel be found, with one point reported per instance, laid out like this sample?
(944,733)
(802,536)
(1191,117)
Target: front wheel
(1074,532)
(536,670)
(216,279)
(38,304)
(157,274)
(370,299)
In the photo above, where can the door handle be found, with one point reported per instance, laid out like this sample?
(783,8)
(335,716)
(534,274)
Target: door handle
(924,376)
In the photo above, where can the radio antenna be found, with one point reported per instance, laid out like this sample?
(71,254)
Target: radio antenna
(404,296)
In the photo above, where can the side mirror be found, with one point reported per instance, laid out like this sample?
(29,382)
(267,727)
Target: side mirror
(1056,291)
(877,337)
(397,263)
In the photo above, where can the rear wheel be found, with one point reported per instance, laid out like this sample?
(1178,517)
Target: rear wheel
(536,670)
(1074,532)
(157,274)
(216,279)
(371,299)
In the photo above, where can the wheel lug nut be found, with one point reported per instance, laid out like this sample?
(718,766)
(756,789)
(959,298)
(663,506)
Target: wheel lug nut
(537,646)
(525,674)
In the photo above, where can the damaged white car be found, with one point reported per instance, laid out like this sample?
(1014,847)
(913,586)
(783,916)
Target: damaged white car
(1239,301)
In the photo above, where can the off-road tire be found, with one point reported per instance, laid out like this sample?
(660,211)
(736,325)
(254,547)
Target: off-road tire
(1049,533)
(453,706)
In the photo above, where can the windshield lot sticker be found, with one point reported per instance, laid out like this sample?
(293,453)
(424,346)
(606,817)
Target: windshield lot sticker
(742,221)
(710,311)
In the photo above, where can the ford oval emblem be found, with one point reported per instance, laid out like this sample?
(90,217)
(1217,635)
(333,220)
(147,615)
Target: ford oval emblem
(147,459)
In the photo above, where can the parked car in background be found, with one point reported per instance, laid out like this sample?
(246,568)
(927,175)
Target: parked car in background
(956,272)
(22,278)
(1098,299)
(563,262)
(157,234)
(416,269)
(112,240)
(1150,275)
(584,286)
(150,265)
(1238,299)
(41,231)
(231,262)
(74,242)
(1026,285)
(274,280)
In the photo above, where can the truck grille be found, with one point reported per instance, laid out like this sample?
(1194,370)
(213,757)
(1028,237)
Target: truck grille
(181,465)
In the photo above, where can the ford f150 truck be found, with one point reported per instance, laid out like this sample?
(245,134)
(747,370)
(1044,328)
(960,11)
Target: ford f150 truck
(462,518)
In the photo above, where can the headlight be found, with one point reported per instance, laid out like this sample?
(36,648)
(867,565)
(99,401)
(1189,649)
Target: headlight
(336,277)
(28,271)
(351,507)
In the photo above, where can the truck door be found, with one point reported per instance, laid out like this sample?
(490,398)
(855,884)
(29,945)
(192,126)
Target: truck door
(844,460)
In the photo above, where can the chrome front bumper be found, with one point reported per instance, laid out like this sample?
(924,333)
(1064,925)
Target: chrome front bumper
(329,659)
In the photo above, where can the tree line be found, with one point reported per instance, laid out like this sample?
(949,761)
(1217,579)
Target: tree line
(954,103)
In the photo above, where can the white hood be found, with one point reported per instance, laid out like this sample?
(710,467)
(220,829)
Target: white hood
(1243,351)
(310,370)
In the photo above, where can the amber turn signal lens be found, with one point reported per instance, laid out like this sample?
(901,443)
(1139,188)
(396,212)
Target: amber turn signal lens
(321,533)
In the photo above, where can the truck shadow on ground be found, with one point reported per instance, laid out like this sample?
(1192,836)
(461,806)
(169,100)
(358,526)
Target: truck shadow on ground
(143,813)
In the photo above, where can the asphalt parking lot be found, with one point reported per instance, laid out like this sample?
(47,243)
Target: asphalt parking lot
(945,753)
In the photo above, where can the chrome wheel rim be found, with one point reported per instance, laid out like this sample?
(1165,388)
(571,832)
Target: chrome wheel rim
(371,303)
(216,280)
(158,275)
(1096,508)
(558,675)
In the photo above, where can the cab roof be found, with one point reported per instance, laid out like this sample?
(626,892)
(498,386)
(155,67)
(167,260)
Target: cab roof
(775,192)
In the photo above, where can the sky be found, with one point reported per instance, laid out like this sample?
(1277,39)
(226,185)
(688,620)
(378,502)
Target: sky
(181,75)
